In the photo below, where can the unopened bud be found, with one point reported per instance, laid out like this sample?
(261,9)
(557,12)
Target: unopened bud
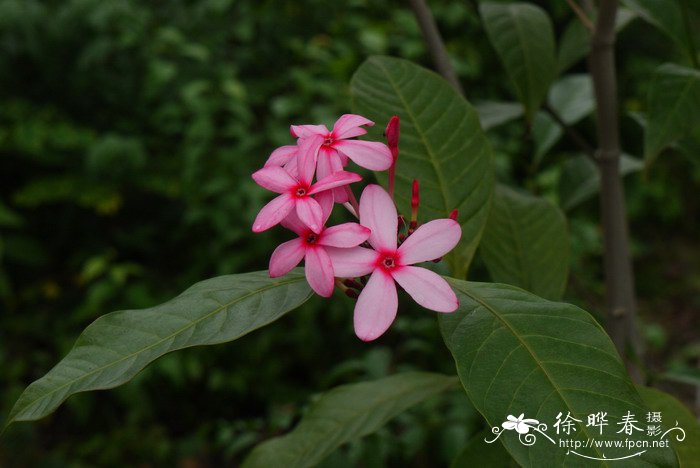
(454,215)
(392,135)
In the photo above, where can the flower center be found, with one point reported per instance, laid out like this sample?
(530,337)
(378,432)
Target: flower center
(300,192)
(328,141)
(389,262)
(311,238)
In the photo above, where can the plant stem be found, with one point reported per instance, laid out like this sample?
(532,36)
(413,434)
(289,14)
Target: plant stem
(436,46)
(581,15)
(571,131)
(619,279)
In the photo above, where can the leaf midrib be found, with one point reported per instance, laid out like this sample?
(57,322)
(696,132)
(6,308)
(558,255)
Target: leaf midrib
(665,125)
(13,417)
(532,354)
(419,131)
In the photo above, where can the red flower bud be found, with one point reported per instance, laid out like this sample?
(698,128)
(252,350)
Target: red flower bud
(392,136)
(454,214)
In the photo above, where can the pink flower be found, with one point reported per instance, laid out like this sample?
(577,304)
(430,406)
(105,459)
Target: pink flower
(377,305)
(285,156)
(311,246)
(296,191)
(336,148)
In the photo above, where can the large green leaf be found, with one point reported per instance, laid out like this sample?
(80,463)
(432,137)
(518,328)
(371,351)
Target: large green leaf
(523,37)
(116,346)
(526,243)
(518,353)
(442,145)
(666,15)
(673,412)
(344,414)
(674,107)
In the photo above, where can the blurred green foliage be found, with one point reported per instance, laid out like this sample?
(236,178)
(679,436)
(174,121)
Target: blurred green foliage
(128,131)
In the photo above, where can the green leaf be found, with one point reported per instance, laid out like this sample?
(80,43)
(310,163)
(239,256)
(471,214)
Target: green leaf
(665,15)
(442,145)
(492,114)
(523,37)
(674,107)
(546,132)
(580,178)
(526,243)
(478,453)
(672,412)
(116,346)
(517,353)
(344,414)
(575,42)
(572,99)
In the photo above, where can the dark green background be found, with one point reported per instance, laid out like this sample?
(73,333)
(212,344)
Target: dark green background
(128,133)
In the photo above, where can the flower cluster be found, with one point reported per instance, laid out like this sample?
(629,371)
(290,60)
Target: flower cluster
(365,260)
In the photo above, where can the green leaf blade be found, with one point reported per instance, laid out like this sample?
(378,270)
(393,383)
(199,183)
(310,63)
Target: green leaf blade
(526,243)
(116,346)
(344,414)
(523,37)
(442,145)
(666,16)
(672,412)
(674,107)
(517,353)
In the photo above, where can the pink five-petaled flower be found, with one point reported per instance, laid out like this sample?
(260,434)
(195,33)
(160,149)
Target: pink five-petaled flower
(378,302)
(311,246)
(295,192)
(337,147)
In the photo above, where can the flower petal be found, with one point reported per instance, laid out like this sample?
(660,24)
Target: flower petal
(272,213)
(281,156)
(303,131)
(291,167)
(344,235)
(324,168)
(310,213)
(353,262)
(509,425)
(348,126)
(340,194)
(307,157)
(426,288)
(326,201)
(430,241)
(371,155)
(378,213)
(286,256)
(293,223)
(319,271)
(274,178)
(337,179)
(376,307)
